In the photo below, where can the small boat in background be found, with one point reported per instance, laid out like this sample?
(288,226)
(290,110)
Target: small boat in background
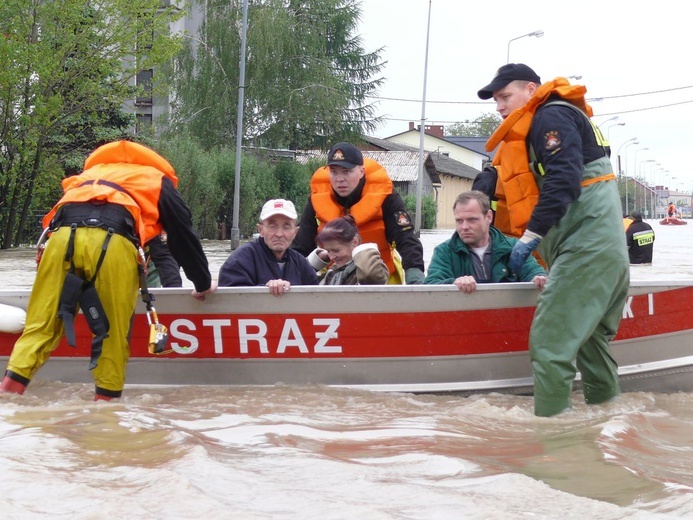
(672,221)
(416,338)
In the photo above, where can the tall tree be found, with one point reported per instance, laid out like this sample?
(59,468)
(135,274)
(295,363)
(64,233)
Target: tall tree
(482,126)
(308,78)
(66,68)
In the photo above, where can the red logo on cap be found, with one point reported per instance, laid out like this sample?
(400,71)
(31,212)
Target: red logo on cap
(278,204)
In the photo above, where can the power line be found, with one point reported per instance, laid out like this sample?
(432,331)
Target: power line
(620,112)
(384,98)
(596,115)
(647,108)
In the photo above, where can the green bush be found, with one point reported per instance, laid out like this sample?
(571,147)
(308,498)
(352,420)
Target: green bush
(428,208)
(294,182)
(207,180)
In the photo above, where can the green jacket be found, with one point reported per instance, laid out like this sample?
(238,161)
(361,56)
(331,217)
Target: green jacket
(451,259)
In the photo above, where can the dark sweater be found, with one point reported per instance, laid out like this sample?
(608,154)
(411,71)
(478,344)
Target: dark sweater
(254,264)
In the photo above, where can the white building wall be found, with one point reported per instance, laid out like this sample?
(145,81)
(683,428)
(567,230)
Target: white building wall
(436,145)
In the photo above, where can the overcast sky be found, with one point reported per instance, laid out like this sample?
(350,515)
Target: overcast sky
(635,60)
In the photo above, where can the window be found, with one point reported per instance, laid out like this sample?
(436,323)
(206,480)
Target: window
(144,124)
(145,35)
(144,84)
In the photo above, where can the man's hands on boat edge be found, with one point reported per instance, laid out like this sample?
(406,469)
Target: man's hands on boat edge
(201,295)
(278,287)
(467,284)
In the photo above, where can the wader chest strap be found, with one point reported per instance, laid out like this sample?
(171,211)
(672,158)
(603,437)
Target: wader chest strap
(80,293)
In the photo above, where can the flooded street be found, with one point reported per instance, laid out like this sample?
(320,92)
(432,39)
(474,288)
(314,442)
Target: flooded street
(672,258)
(317,453)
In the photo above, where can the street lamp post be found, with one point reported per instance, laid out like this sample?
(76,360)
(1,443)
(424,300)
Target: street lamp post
(235,229)
(635,172)
(538,34)
(608,129)
(615,118)
(645,185)
(620,170)
(662,174)
(627,170)
(653,192)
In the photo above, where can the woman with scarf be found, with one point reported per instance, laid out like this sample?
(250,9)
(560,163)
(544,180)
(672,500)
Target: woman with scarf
(347,261)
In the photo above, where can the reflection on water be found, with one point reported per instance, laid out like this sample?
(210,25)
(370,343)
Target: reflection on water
(288,452)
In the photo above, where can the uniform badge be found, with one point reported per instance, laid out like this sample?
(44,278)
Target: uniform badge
(552,140)
(338,155)
(402,218)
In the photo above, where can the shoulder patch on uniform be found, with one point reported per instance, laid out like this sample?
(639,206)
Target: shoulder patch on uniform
(402,218)
(552,140)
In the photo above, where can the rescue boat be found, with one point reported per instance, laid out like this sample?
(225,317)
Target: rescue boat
(383,338)
(672,221)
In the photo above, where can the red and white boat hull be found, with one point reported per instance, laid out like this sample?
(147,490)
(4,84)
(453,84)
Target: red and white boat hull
(384,338)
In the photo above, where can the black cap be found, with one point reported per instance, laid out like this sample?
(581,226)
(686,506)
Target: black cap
(346,155)
(506,74)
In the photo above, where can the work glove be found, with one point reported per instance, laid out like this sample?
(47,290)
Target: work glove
(413,276)
(364,247)
(315,259)
(521,250)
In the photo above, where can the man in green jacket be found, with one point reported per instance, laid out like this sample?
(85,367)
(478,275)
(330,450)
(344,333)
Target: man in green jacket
(477,251)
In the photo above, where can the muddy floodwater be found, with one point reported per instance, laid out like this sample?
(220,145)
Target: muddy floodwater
(318,453)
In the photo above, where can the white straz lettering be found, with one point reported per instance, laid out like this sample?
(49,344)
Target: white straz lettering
(216,327)
(291,337)
(259,335)
(321,347)
(177,333)
(253,334)
(628,311)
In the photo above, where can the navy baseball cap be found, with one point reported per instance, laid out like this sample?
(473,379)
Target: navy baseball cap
(345,155)
(506,74)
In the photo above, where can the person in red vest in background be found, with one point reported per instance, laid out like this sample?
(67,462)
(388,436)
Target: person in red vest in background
(671,210)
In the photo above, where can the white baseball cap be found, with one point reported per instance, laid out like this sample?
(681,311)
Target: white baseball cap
(278,207)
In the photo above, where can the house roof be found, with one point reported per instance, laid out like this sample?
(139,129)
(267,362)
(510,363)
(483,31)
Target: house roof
(442,163)
(402,165)
(474,144)
(477,144)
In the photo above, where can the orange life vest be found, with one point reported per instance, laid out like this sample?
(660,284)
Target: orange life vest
(367,212)
(124,173)
(517,189)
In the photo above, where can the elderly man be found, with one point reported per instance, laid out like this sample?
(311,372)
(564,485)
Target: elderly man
(269,260)
(477,251)
(352,185)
